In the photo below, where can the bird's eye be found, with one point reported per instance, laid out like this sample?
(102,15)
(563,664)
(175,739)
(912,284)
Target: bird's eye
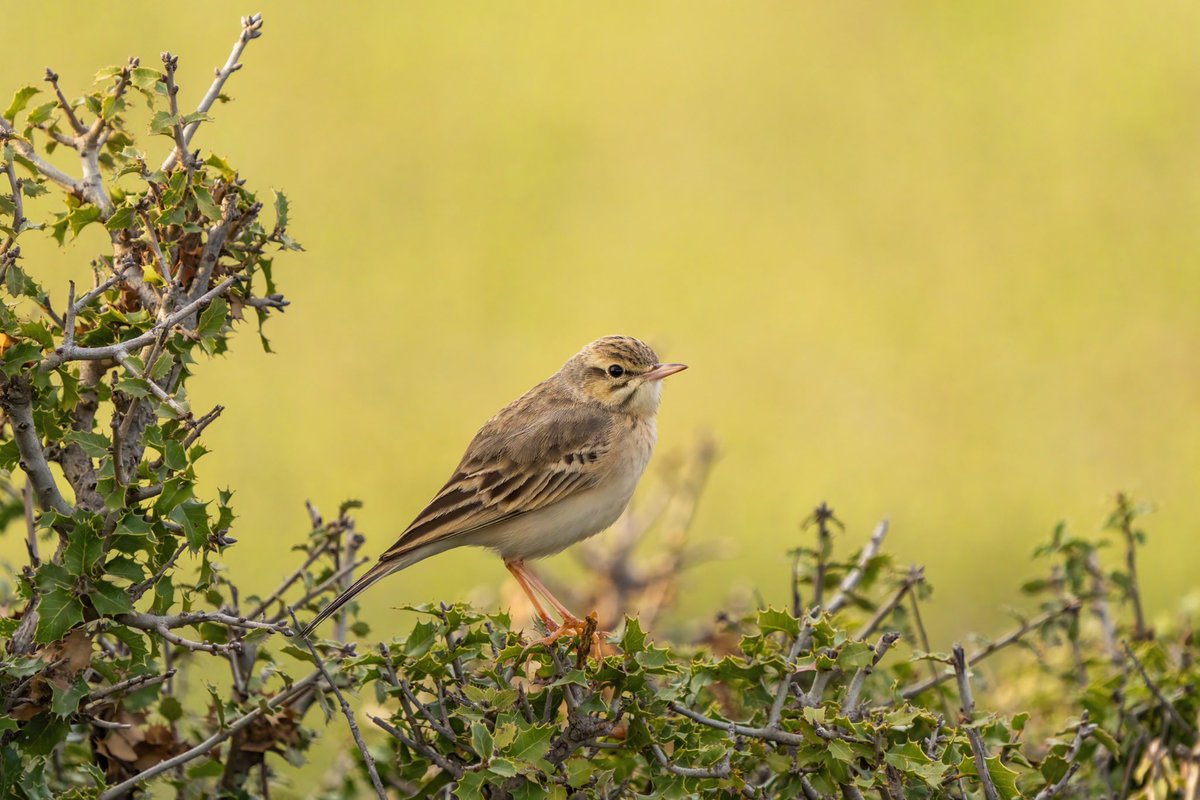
(616,370)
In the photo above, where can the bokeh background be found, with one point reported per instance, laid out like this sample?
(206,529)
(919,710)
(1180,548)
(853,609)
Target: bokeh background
(929,261)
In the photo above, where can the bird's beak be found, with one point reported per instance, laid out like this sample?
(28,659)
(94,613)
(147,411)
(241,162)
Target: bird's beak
(661,371)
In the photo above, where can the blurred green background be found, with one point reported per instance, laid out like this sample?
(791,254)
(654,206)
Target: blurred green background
(930,261)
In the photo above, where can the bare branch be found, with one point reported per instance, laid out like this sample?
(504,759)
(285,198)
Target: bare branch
(721,770)
(802,641)
(1083,731)
(73,353)
(170,63)
(205,747)
(331,582)
(850,704)
(432,754)
(217,236)
(137,590)
(737,729)
(1173,712)
(149,621)
(72,120)
(18,205)
(854,576)
(156,390)
(44,167)
(155,247)
(1108,629)
(1012,636)
(915,575)
(1123,522)
(288,581)
(16,397)
(103,287)
(346,711)
(135,683)
(251,29)
(978,749)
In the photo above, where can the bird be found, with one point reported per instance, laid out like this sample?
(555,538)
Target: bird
(555,466)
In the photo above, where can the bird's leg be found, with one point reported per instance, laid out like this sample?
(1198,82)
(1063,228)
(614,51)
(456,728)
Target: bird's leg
(532,585)
(522,576)
(536,582)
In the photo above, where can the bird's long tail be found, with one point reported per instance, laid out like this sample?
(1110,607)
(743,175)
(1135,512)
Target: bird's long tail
(380,570)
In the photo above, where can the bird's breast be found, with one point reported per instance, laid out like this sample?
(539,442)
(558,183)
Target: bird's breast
(551,529)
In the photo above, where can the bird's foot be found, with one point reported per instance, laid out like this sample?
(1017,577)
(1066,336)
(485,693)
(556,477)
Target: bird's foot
(591,640)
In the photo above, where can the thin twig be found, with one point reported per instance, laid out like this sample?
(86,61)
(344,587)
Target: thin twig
(721,770)
(63,354)
(211,742)
(287,582)
(251,30)
(1176,717)
(155,247)
(1125,516)
(978,749)
(139,589)
(76,125)
(1108,629)
(915,575)
(170,63)
(855,576)
(137,682)
(432,754)
(104,286)
(850,704)
(991,648)
(18,204)
(44,167)
(802,641)
(1082,732)
(737,729)
(200,424)
(346,711)
(324,586)
(156,390)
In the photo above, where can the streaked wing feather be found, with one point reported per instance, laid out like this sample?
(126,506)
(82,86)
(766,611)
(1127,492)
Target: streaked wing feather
(508,472)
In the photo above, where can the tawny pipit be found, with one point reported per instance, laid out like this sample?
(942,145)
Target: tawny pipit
(555,466)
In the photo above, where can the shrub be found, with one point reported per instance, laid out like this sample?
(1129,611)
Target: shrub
(122,596)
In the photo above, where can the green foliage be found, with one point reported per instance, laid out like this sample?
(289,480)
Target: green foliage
(771,705)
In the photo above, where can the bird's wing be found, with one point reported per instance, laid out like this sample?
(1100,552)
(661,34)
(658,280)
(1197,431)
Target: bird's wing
(512,469)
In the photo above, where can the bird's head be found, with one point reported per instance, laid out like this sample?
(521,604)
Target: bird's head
(620,372)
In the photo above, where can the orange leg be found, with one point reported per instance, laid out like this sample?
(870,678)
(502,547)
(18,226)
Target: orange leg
(522,577)
(554,602)
(571,624)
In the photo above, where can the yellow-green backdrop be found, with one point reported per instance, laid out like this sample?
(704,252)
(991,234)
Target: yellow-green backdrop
(930,261)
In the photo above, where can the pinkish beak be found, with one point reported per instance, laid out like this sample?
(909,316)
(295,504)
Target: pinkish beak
(661,371)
